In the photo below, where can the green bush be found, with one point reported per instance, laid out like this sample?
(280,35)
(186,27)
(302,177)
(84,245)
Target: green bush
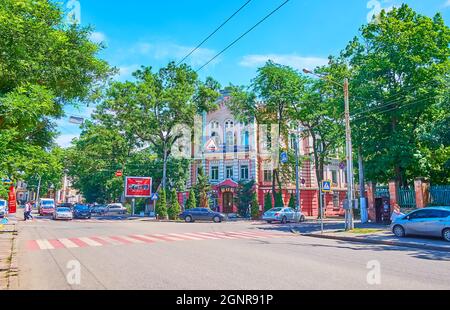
(268,202)
(174,208)
(191,203)
(255,207)
(161,206)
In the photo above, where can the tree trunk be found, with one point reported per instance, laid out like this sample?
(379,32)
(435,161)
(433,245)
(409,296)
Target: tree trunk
(164,168)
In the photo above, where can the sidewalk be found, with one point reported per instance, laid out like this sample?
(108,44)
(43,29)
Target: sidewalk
(377,234)
(8,251)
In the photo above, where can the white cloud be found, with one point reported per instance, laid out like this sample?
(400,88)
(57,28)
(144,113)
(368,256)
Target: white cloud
(176,52)
(447,4)
(65,140)
(292,60)
(125,72)
(97,37)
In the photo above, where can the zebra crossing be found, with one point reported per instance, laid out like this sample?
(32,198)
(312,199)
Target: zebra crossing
(103,241)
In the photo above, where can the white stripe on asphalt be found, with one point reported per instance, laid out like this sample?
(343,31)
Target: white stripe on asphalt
(242,236)
(198,235)
(110,241)
(187,237)
(44,244)
(130,239)
(146,238)
(90,242)
(68,244)
(168,237)
(221,235)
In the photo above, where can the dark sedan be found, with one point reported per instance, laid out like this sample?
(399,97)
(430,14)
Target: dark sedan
(82,212)
(202,214)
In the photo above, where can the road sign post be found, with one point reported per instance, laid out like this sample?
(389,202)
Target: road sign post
(325,187)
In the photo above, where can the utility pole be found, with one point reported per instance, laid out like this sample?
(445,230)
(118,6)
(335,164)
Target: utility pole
(349,225)
(362,188)
(297,181)
(38,190)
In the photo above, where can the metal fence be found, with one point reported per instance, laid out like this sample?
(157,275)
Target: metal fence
(440,195)
(407,197)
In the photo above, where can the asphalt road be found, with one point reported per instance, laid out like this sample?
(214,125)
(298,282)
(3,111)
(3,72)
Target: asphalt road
(235,261)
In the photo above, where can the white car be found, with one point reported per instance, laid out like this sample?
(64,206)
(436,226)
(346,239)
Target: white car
(63,214)
(283,215)
(116,208)
(3,208)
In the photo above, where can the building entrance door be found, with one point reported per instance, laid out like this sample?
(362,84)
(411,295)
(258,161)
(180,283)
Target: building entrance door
(227,203)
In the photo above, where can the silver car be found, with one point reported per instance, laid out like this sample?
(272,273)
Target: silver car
(433,222)
(3,208)
(283,215)
(63,214)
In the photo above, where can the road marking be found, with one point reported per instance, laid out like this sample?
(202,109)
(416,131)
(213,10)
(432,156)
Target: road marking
(242,235)
(165,237)
(109,240)
(100,240)
(143,238)
(187,237)
(57,244)
(68,243)
(221,235)
(78,242)
(90,242)
(126,240)
(32,245)
(44,244)
(203,236)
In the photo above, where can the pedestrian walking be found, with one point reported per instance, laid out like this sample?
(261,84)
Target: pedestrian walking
(28,210)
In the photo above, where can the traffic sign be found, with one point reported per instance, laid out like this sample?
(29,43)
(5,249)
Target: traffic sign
(326,186)
(7,181)
(4,221)
(284,157)
(154,197)
(343,165)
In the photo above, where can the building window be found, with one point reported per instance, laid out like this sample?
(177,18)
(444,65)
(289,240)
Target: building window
(214,125)
(229,172)
(244,172)
(336,201)
(267,175)
(245,139)
(230,138)
(215,173)
(216,138)
(229,124)
(334,176)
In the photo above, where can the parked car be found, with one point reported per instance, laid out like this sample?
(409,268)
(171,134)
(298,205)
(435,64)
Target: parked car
(116,208)
(82,212)
(66,205)
(283,215)
(62,214)
(202,214)
(3,208)
(433,222)
(99,209)
(46,206)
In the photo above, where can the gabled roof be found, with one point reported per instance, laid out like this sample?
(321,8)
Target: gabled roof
(228,183)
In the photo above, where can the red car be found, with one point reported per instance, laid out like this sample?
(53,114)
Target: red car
(46,207)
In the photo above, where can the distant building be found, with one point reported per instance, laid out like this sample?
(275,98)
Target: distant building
(236,151)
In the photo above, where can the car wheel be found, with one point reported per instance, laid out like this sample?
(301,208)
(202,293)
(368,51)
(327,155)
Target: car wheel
(269,222)
(217,219)
(399,231)
(188,219)
(302,219)
(446,234)
(284,220)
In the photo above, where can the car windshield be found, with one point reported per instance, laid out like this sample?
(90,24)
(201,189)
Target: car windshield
(82,208)
(63,210)
(2,203)
(47,203)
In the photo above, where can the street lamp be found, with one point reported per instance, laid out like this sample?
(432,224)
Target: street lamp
(349,224)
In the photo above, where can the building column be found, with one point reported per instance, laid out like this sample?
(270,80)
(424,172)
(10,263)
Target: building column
(371,191)
(393,193)
(422,188)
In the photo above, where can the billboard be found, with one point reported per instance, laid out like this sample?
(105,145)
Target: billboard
(12,203)
(138,187)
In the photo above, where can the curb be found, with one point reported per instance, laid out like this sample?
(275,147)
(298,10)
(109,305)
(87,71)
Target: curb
(13,273)
(371,241)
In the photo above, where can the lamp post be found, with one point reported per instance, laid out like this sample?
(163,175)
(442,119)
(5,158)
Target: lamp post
(349,223)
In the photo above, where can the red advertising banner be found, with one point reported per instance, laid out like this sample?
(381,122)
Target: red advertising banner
(138,187)
(12,203)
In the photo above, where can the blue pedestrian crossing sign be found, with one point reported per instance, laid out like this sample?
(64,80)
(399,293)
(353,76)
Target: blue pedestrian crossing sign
(326,186)
(284,157)
(154,196)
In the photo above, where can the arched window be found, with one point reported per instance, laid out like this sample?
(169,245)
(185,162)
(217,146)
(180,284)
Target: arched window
(229,124)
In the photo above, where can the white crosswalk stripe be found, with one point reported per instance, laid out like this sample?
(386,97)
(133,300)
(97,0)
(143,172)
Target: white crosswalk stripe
(68,244)
(168,237)
(187,237)
(202,236)
(44,244)
(90,242)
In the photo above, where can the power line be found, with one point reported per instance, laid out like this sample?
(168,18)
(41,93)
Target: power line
(214,32)
(243,35)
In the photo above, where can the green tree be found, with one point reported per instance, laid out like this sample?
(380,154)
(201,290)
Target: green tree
(44,65)
(279,200)
(174,208)
(268,202)
(202,189)
(255,207)
(293,202)
(245,191)
(159,107)
(161,206)
(191,203)
(401,81)
(269,99)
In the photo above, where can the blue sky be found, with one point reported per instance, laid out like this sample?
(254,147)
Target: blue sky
(153,32)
